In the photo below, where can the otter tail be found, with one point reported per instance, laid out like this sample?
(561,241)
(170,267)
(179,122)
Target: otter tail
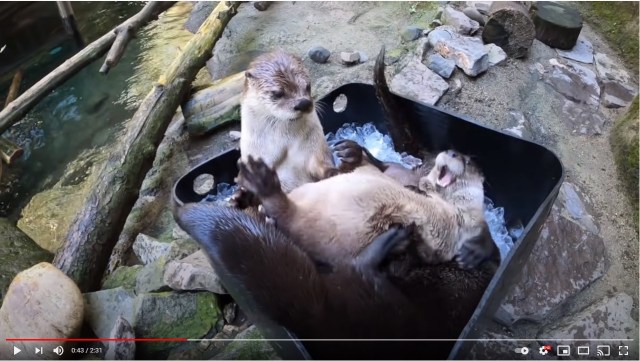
(255,263)
(397,117)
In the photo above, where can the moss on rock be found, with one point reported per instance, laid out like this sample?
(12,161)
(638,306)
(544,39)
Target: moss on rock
(169,314)
(124,277)
(624,144)
(257,350)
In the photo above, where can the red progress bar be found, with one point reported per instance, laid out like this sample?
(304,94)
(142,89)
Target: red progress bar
(98,339)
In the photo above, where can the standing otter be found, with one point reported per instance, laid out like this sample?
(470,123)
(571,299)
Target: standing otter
(336,218)
(283,292)
(279,121)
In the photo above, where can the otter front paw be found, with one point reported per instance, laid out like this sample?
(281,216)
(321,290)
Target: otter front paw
(256,177)
(242,199)
(349,153)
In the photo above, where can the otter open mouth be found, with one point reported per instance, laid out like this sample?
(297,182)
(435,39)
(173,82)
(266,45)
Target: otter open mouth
(445,177)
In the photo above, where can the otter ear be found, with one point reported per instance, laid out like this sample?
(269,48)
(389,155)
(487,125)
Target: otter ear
(248,74)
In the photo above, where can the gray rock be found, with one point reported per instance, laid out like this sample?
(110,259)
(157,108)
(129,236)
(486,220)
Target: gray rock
(410,33)
(482,6)
(520,126)
(582,51)
(459,21)
(150,278)
(40,302)
(565,260)
(350,57)
(496,54)
(469,53)
(319,54)
(456,86)
(121,350)
(435,23)
(247,350)
(607,69)
(611,318)
(573,207)
(199,14)
(17,252)
(104,307)
(473,14)
(443,67)
(124,276)
(575,82)
(193,273)
(186,314)
(581,119)
(617,95)
(417,81)
(422,48)
(149,249)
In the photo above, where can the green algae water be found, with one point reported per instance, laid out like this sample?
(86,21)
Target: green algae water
(76,125)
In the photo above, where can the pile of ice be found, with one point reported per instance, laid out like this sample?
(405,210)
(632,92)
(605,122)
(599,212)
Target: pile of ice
(380,145)
(224,191)
(501,236)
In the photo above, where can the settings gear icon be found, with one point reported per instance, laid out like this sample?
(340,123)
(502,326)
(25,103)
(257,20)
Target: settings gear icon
(544,350)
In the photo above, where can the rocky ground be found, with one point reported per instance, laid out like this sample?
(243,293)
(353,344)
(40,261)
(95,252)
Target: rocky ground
(581,279)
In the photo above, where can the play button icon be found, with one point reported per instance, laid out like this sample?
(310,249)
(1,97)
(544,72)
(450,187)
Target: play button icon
(16,350)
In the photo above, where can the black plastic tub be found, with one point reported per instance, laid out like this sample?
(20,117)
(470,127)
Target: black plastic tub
(521,176)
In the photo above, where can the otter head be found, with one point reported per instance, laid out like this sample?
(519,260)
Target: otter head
(282,84)
(450,166)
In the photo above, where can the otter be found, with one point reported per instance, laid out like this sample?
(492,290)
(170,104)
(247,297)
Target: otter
(280,124)
(334,219)
(278,284)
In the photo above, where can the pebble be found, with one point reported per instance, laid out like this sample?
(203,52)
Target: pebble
(441,66)
(319,54)
(410,33)
(349,57)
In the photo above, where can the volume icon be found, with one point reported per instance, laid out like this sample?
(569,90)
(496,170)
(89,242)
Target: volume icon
(58,350)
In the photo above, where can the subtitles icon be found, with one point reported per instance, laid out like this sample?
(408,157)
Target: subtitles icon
(603,350)
(522,350)
(564,350)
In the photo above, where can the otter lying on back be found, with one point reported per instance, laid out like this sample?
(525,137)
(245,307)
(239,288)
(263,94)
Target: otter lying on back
(279,121)
(336,218)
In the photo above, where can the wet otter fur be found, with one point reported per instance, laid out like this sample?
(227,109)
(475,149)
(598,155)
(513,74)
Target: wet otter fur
(278,284)
(279,121)
(336,218)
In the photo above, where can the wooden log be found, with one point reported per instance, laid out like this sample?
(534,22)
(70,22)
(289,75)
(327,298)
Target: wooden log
(510,27)
(94,231)
(25,102)
(14,88)
(126,31)
(212,107)
(556,24)
(9,151)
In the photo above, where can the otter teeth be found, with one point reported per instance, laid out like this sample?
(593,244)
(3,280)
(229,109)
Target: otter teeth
(445,178)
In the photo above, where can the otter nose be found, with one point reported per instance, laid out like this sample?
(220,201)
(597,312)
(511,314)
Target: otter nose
(303,105)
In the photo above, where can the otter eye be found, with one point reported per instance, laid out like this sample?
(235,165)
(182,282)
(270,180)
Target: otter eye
(277,94)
